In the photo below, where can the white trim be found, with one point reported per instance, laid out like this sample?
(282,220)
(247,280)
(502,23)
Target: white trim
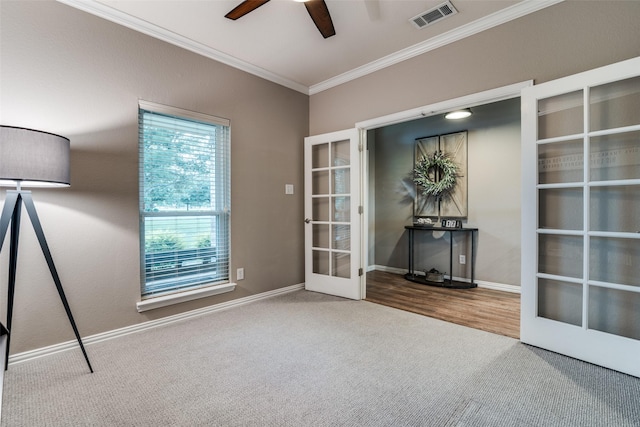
(386,269)
(518,10)
(504,287)
(364,204)
(178,297)
(351,286)
(486,97)
(116,333)
(481,283)
(181,112)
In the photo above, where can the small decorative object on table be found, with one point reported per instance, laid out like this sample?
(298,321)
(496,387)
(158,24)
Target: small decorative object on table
(451,223)
(424,222)
(434,275)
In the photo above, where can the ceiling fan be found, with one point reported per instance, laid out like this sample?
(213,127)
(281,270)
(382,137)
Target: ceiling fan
(317,10)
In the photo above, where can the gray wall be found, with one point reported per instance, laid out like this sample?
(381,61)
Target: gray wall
(557,41)
(494,194)
(68,72)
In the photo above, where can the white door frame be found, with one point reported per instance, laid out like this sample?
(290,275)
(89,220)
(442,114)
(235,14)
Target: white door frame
(581,341)
(331,282)
(480,98)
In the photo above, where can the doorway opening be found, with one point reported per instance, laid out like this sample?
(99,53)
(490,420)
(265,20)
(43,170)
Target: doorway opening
(494,208)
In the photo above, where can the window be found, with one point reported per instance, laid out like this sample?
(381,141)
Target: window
(184,199)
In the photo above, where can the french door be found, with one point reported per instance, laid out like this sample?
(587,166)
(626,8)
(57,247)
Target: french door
(581,216)
(333,214)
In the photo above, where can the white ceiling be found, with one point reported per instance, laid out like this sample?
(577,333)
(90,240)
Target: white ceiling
(280,42)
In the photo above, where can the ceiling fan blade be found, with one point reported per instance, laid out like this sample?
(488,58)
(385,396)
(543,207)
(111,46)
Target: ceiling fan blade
(245,7)
(320,14)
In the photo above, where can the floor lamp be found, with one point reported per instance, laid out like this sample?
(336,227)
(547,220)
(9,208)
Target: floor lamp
(30,158)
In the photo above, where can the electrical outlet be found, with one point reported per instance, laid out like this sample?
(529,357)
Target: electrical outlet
(240,274)
(463,259)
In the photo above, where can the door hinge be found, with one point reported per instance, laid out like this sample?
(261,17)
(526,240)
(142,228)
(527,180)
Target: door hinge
(360,272)
(360,210)
(360,148)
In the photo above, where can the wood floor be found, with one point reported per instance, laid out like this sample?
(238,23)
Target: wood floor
(492,311)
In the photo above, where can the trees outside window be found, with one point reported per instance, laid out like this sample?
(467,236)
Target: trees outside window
(184,199)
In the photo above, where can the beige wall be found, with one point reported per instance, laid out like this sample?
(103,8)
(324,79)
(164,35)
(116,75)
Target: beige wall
(560,40)
(68,72)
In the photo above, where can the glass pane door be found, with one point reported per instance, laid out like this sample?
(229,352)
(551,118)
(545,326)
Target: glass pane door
(560,207)
(331,203)
(581,216)
(332,217)
(614,208)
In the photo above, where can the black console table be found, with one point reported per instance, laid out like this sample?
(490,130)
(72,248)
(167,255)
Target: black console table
(450,283)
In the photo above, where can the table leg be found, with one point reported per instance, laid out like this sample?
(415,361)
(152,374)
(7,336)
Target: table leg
(450,258)
(411,252)
(473,258)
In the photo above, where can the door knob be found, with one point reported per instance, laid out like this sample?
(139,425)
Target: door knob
(307,220)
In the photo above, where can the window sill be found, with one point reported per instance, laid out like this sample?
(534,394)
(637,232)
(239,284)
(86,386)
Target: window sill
(165,300)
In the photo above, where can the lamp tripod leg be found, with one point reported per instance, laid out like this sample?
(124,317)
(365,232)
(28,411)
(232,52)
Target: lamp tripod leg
(35,221)
(10,214)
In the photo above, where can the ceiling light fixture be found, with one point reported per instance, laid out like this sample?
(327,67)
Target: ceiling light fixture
(458,114)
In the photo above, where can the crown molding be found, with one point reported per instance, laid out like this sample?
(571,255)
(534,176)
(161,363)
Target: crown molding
(505,15)
(126,20)
(518,10)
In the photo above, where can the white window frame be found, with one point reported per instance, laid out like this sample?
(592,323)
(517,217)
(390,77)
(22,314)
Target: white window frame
(200,290)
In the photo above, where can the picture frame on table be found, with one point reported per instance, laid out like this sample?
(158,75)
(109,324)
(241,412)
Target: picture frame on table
(451,223)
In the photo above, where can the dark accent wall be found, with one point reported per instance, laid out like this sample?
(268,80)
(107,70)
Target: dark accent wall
(494,194)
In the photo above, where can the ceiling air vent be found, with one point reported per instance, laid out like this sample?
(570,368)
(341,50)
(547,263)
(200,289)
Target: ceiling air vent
(433,15)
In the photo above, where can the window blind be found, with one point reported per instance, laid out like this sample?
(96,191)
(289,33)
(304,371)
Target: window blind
(184,199)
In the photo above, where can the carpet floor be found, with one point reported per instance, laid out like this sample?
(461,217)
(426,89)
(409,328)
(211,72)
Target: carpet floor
(308,359)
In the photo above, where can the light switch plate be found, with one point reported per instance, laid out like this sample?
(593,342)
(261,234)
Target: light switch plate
(288,189)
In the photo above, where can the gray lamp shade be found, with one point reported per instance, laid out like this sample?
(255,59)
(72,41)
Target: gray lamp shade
(33,158)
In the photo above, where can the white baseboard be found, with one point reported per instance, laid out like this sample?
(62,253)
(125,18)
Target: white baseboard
(481,283)
(387,269)
(104,336)
(514,289)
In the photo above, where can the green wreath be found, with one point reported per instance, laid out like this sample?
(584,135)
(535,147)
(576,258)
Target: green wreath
(436,175)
